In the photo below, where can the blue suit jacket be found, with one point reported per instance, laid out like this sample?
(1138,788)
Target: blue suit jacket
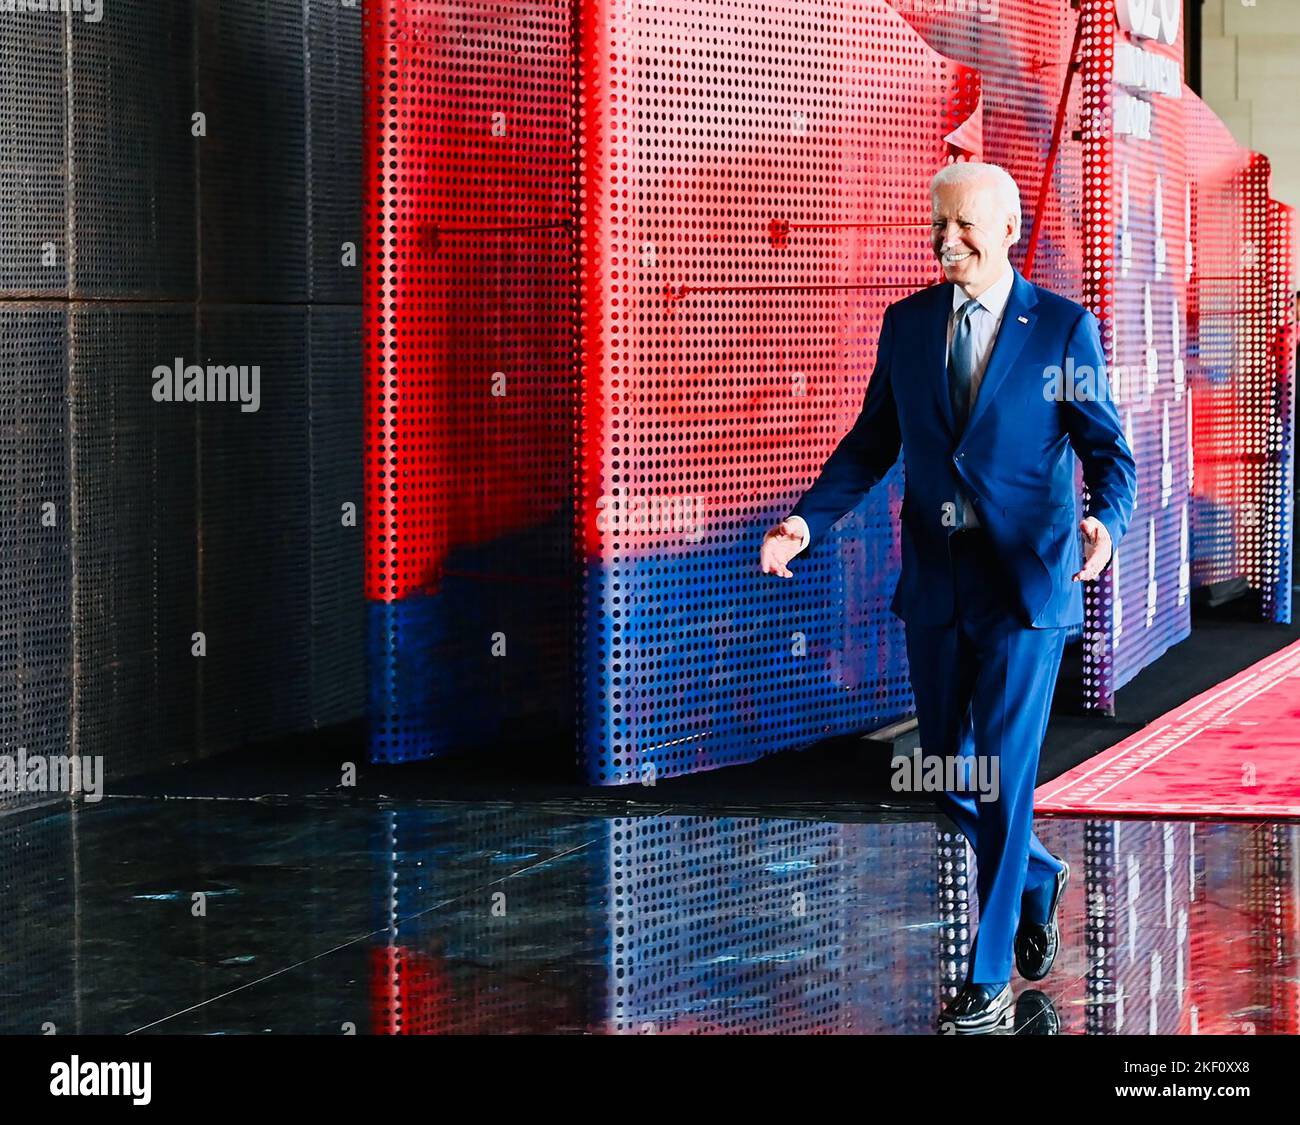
(1013,459)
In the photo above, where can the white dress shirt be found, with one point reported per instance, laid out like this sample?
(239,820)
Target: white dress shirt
(984,330)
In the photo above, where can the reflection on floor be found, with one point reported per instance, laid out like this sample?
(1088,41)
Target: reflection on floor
(215,917)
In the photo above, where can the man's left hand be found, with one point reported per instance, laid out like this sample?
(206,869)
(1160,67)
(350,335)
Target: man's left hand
(1097,548)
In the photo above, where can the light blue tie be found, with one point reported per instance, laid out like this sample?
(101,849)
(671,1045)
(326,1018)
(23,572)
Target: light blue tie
(961,363)
(961,371)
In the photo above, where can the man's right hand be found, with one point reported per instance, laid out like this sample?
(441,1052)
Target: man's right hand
(780,545)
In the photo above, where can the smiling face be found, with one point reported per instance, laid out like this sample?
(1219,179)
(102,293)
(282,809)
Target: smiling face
(970,234)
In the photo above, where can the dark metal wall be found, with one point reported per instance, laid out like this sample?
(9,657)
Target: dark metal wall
(127,242)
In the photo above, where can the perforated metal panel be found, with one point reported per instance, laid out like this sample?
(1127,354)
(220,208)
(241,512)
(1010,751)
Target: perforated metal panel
(735,244)
(279,81)
(667,275)
(255,543)
(279,554)
(1240,368)
(337,566)
(334,149)
(1137,262)
(253,162)
(33,156)
(469,343)
(35,521)
(1279,506)
(735,275)
(134,492)
(99,174)
(133,197)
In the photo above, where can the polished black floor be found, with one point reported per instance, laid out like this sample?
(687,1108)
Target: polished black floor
(254,892)
(221,916)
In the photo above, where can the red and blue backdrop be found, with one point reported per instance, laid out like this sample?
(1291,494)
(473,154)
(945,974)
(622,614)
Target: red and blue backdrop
(624,276)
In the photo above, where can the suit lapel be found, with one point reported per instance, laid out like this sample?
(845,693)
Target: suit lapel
(1017,323)
(934,341)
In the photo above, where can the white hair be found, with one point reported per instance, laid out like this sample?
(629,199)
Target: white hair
(968,171)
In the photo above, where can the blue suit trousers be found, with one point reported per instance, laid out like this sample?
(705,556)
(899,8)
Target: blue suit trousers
(983,685)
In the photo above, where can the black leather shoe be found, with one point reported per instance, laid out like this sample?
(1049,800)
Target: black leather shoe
(1037,942)
(977,1010)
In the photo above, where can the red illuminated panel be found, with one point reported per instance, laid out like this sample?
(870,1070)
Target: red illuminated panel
(624,278)
(468,283)
(1238,369)
(754,194)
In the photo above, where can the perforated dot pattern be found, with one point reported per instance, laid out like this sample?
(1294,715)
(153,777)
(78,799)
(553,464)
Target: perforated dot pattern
(721,220)
(33,157)
(469,342)
(1135,271)
(735,275)
(133,198)
(101,172)
(134,596)
(1241,366)
(35,564)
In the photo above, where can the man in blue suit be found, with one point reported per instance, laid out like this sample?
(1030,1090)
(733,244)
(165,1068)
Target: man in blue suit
(982,383)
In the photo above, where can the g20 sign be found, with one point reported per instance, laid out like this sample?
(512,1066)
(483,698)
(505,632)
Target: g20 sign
(1150,19)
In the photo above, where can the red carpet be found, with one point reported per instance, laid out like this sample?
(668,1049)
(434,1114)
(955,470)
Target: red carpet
(1232,751)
